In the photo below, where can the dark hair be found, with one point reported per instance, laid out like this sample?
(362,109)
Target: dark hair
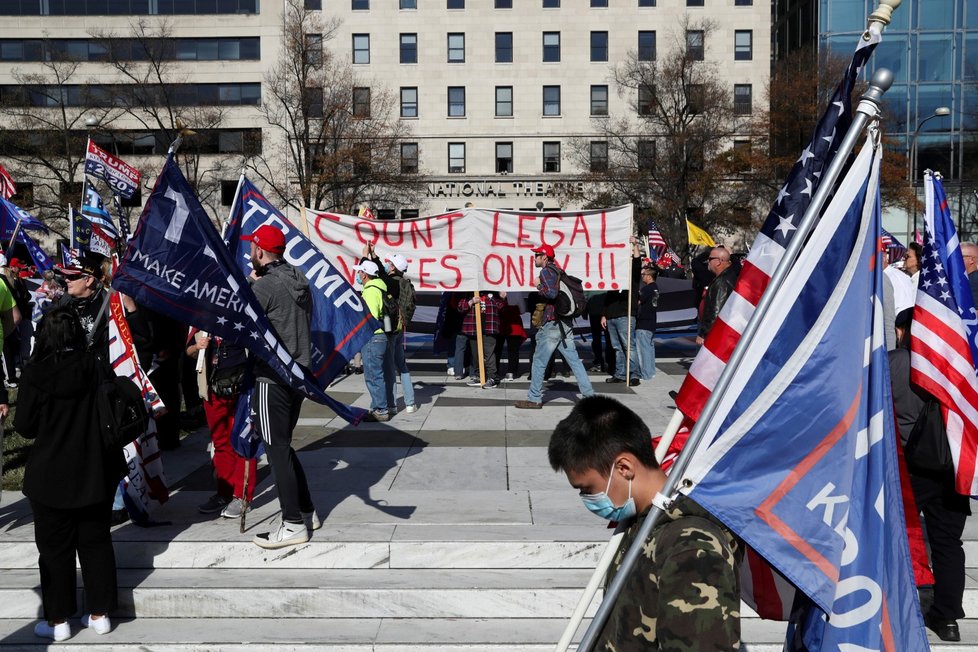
(58,331)
(596,431)
(917,249)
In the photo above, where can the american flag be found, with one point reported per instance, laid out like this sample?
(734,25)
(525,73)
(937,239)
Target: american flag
(942,338)
(893,249)
(656,242)
(7,186)
(768,592)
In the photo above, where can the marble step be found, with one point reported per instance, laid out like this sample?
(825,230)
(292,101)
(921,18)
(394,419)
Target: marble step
(358,635)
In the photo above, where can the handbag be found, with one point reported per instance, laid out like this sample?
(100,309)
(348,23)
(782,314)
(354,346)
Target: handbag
(927,449)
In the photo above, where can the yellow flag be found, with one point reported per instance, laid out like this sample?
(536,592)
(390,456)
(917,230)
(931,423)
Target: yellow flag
(698,236)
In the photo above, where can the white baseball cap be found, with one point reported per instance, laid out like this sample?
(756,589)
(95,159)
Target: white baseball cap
(368,267)
(398,261)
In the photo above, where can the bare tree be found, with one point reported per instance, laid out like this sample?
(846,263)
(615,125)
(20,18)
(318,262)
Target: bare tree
(673,154)
(44,133)
(338,137)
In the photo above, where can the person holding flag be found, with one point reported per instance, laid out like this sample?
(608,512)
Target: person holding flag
(283,293)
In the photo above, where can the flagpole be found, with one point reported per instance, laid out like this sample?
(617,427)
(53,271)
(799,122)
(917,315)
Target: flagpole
(13,238)
(868,109)
(71,228)
(628,320)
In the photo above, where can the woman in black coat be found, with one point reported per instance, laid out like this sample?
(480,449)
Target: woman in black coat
(70,477)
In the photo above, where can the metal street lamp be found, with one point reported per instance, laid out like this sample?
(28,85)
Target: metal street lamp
(939,112)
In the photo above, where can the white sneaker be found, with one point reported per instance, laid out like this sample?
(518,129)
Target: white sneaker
(288,534)
(59,632)
(508,378)
(311,519)
(451,371)
(101,626)
(411,409)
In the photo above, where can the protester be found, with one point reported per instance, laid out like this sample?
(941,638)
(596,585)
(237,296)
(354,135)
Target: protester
(969,252)
(376,374)
(14,353)
(70,476)
(511,337)
(619,318)
(396,360)
(283,294)
(9,316)
(489,305)
(683,593)
(224,369)
(725,272)
(89,299)
(646,322)
(945,511)
(602,350)
(554,332)
(911,262)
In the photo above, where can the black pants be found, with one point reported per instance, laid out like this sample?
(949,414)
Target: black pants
(488,355)
(604,357)
(166,380)
(59,534)
(275,411)
(512,346)
(945,512)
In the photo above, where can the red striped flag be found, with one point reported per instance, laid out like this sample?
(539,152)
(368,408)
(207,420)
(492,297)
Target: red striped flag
(7,186)
(942,343)
(656,242)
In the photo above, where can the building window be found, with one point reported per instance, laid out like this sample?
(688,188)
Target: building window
(312,100)
(599,46)
(695,98)
(409,102)
(504,47)
(743,99)
(455,4)
(645,155)
(646,100)
(456,101)
(646,3)
(361,102)
(409,48)
(229,190)
(694,44)
(361,48)
(551,157)
(551,100)
(741,155)
(743,3)
(360,153)
(504,101)
(599,156)
(315,5)
(409,4)
(456,48)
(551,46)
(599,100)
(743,45)
(409,158)
(314,49)
(456,158)
(504,4)
(551,4)
(694,3)
(599,3)
(410,213)
(646,46)
(504,158)
(359,5)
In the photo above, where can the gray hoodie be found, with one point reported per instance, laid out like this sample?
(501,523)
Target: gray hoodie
(283,293)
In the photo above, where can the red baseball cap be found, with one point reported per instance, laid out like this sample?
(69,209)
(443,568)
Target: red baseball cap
(544,249)
(267,237)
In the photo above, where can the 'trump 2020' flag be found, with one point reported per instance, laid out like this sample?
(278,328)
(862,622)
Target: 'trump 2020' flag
(121,177)
(177,265)
(340,325)
(942,339)
(800,457)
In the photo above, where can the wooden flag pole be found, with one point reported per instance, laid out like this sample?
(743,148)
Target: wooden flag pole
(478,337)
(244,496)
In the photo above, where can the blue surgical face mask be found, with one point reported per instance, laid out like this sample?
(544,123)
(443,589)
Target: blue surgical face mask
(601,505)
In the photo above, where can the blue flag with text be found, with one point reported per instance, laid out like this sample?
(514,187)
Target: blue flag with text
(177,265)
(800,457)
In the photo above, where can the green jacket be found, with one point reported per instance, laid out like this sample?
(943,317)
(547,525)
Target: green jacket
(375,298)
(684,593)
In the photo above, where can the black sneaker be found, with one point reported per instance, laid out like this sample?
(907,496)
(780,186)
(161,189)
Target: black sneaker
(614,379)
(119,516)
(490,384)
(634,382)
(946,630)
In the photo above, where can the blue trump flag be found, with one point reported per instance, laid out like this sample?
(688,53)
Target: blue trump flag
(340,325)
(800,457)
(41,260)
(177,265)
(10,213)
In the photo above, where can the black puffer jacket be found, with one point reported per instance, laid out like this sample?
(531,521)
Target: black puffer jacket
(716,295)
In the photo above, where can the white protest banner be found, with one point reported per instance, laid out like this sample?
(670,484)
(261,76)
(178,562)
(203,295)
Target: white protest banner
(484,249)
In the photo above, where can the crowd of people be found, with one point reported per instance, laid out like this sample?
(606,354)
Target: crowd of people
(602,446)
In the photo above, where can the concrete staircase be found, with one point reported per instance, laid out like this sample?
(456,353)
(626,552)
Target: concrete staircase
(444,530)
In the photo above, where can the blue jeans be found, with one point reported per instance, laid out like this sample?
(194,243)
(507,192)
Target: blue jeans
(646,352)
(619,328)
(397,366)
(548,338)
(374,352)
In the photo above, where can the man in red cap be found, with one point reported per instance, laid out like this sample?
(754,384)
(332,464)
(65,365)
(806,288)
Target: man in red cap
(283,292)
(554,332)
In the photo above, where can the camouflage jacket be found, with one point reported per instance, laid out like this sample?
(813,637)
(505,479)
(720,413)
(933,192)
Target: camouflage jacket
(684,594)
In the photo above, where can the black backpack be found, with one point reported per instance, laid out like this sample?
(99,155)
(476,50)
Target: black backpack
(407,300)
(570,302)
(121,411)
(388,308)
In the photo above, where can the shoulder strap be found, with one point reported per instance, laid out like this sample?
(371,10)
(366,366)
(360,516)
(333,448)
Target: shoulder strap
(98,318)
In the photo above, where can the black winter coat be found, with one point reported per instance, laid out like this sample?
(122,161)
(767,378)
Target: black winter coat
(68,466)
